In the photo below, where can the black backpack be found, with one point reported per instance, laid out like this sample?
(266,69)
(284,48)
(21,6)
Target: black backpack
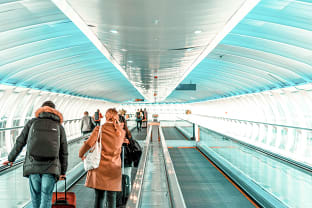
(44,139)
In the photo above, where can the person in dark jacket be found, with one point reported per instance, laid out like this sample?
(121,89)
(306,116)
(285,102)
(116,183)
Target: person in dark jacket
(46,155)
(87,124)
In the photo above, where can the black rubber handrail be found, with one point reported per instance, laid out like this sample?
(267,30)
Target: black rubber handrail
(256,122)
(19,127)
(281,158)
(20,161)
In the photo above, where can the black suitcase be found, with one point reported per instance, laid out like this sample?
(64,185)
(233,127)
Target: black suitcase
(122,196)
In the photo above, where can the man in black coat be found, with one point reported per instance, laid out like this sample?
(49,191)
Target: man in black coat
(46,156)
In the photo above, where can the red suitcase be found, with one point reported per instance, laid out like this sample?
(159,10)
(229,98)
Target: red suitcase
(63,199)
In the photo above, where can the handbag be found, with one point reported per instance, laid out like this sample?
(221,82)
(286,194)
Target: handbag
(92,160)
(92,125)
(136,152)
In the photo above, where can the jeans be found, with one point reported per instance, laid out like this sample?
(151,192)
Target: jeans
(41,189)
(101,197)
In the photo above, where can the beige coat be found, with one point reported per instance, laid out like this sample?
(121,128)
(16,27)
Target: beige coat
(108,175)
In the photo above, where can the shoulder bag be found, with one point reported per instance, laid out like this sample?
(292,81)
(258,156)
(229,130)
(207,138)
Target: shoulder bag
(92,160)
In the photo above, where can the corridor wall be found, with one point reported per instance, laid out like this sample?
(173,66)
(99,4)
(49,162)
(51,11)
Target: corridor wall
(278,121)
(18,105)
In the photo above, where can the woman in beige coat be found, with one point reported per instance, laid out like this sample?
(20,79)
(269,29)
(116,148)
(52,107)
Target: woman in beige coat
(106,179)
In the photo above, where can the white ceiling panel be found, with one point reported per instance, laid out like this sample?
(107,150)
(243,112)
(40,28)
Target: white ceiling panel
(155,44)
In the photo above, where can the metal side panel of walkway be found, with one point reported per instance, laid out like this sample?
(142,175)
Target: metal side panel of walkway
(155,190)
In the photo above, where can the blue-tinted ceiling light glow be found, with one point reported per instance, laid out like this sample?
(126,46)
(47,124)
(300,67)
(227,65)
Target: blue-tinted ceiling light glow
(114,31)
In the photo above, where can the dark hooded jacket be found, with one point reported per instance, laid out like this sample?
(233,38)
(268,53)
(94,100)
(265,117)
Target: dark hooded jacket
(56,166)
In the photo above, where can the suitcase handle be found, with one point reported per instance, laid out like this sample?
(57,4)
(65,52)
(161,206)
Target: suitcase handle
(56,191)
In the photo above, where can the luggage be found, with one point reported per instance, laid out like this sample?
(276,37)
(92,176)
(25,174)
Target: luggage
(63,199)
(144,124)
(122,196)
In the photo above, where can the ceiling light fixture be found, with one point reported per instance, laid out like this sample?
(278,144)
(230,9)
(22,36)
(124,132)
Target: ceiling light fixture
(114,31)
(130,61)
(123,49)
(197,31)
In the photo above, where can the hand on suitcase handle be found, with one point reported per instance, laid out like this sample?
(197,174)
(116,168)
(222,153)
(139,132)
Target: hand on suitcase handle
(62,177)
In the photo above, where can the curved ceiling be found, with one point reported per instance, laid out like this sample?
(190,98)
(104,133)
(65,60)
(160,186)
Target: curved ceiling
(41,48)
(155,43)
(270,48)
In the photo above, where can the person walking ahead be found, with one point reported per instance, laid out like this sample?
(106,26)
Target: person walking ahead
(139,117)
(106,179)
(97,117)
(87,124)
(46,155)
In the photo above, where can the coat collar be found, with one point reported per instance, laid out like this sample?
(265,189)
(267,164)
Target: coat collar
(47,109)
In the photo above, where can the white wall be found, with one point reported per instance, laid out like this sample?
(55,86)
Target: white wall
(289,106)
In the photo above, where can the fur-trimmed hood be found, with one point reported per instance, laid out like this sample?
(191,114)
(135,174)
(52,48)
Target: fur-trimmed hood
(47,109)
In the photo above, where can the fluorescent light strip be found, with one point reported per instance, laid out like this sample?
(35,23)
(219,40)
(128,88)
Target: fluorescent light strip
(246,7)
(66,8)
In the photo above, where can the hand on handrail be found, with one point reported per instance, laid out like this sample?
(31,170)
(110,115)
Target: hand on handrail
(8,163)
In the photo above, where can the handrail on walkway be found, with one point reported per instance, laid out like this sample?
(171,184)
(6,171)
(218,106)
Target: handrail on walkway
(19,127)
(21,160)
(256,122)
(176,196)
(134,199)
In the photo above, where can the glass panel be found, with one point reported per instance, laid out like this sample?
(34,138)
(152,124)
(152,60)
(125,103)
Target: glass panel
(273,136)
(290,185)
(284,139)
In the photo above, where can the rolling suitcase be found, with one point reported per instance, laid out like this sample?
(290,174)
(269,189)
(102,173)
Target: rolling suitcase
(63,199)
(144,124)
(125,184)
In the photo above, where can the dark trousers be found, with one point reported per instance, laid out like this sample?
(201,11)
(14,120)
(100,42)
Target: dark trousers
(101,197)
(97,123)
(139,124)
